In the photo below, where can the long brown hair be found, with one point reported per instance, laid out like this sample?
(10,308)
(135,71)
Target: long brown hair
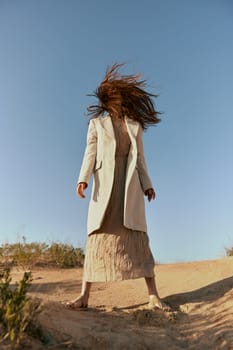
(121,95)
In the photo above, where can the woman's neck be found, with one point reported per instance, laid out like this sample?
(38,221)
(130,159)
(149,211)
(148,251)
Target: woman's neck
(117,115)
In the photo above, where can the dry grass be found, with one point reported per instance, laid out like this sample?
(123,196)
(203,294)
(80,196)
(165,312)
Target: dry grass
(28,255)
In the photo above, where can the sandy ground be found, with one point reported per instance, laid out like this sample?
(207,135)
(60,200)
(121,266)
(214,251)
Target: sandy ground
(200,293)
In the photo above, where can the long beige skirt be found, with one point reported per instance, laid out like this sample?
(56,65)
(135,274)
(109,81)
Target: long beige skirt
(115,252)
(112,257)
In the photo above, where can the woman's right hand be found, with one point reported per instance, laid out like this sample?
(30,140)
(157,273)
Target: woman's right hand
(80,189)
(150,193)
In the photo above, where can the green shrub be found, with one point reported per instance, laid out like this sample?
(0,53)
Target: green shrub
(28,255)
(6,258)
(22,254)
(65,255)
(17,311)
(25,255)
(229,251)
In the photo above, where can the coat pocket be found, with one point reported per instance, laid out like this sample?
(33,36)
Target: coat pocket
(98,165)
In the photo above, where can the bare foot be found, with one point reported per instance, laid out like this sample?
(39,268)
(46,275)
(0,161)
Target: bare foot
(76,304)
(155,303)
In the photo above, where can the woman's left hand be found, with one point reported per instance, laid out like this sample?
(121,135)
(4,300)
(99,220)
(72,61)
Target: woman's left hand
(150,194)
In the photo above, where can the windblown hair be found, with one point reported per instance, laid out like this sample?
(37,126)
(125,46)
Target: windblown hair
(124,95)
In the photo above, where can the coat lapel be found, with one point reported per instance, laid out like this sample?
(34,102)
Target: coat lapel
(132,127)
(106,123)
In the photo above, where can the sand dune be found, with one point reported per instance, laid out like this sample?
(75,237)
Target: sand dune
(200,293)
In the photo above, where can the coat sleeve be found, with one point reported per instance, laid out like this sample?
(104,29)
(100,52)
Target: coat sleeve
(141,163)
(89,157)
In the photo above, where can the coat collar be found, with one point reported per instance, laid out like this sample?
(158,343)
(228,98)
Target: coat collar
(132,127)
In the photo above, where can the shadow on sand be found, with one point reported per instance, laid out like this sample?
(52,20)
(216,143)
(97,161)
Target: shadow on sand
(210,293)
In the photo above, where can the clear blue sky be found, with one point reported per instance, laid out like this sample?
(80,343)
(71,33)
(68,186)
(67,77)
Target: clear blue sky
(53,53)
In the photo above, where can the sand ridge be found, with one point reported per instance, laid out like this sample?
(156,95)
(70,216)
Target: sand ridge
(200,293)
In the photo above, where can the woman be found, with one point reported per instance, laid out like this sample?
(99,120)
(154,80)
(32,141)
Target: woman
(118,245)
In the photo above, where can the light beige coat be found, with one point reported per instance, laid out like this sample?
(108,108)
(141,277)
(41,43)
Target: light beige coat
(99,160)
